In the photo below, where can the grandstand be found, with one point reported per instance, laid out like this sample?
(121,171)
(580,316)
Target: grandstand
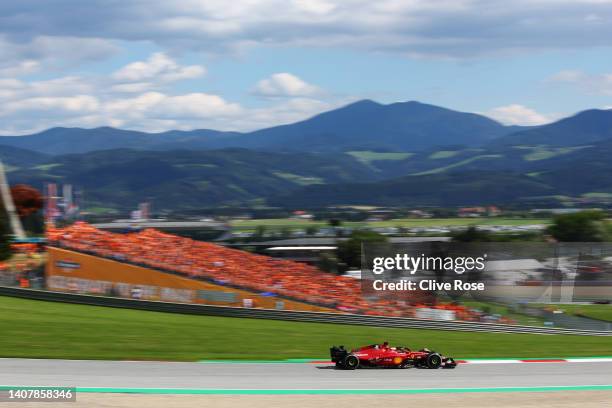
(152,261)
(224,267)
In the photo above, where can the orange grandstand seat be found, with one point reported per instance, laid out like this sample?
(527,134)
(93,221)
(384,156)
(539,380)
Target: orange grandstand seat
(205,260)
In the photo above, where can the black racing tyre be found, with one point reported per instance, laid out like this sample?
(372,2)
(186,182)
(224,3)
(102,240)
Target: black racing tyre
(339,364)
(434,360)
(351,362)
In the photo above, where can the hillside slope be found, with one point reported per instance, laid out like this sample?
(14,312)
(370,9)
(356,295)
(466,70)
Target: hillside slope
(190,179)
(455,189)
(583,128)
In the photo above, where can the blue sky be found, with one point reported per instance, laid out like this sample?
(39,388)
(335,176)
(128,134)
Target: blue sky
(244,65)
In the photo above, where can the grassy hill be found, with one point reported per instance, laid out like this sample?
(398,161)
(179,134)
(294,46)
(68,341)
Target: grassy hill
(449,176)
(60,140)
(439,189)
(190,179)
(15,158)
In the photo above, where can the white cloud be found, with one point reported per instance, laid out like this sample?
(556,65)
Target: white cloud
(197,105)
(442,28)
(286,85)
(133,87)
(566,76)
(591,83)
(65,104)
(316,7)
(145,102)
(52,51)
(14,89)
(41,37)
(21,68)
(158,67)
(516,114)
(288,111)
(157,105)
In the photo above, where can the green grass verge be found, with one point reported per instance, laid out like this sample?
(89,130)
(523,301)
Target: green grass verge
(37,329)
(601,312)
(280,223)
(450,222)
(494,308)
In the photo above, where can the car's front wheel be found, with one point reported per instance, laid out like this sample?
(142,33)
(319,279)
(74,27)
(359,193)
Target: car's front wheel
(434,360)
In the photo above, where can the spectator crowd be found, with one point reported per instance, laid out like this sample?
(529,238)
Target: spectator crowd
(24,268)
(235,268)
(224,266)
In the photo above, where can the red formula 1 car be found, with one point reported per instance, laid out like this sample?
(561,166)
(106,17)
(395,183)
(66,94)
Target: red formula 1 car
(382,355)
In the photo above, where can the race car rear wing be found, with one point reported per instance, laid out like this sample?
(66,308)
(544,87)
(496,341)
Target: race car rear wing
(338,353)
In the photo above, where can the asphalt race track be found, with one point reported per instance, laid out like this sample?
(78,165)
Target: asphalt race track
(127,374)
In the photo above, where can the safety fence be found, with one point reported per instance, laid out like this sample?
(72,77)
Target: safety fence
(314,317)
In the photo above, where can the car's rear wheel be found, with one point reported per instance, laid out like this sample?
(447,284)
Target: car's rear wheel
(351,362)
(434,360)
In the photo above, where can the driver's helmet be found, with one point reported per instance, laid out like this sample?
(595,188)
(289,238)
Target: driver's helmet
(385,344)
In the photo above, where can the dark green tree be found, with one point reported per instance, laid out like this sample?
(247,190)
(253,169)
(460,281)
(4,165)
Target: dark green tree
(260,232)
(585,226)
(285,232)
(349,251)
(328,263)
(334,222)
(311,230)
(5,245)
(472,234)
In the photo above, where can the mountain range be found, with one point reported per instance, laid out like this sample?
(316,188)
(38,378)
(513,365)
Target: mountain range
(363,125)
(402,154)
